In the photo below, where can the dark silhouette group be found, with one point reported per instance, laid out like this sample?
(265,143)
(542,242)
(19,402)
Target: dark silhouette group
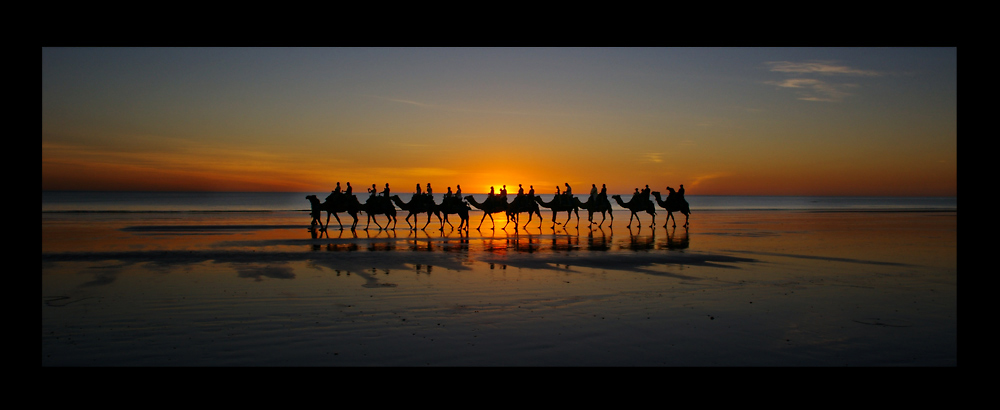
(422,202)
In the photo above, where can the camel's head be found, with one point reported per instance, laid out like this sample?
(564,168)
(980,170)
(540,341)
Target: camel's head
(656,194)
(671,190)
(312,197)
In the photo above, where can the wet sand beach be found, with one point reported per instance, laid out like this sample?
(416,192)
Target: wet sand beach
(736,288)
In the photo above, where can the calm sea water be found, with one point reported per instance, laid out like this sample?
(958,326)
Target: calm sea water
(87,201)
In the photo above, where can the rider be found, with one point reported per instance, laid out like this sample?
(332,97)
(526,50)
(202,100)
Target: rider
(349,189)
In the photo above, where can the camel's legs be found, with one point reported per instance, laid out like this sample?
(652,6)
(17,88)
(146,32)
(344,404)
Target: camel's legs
(335,216)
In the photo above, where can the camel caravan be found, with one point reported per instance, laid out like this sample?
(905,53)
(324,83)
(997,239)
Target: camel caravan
(383,203)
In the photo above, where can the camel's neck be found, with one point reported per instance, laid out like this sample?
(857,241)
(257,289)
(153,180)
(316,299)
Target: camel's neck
(399,202)
(618,199)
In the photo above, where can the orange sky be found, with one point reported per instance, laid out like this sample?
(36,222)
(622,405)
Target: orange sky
(768,122)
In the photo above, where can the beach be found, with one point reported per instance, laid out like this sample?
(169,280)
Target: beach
(735,288)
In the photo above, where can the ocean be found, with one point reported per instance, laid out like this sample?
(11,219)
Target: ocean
(87,201)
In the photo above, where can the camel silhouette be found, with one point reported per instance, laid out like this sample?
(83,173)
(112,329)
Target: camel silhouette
(556,206)
(454,205)
(523,203)
(635,205)
(598,204)
(334,204)
(492,205)
(674,203)
(418,204)
(379,205)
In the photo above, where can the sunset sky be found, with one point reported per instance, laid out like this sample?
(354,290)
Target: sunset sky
(721,121)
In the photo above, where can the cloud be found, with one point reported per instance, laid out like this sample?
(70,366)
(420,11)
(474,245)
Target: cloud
(810,89)
(813,89)
(702,178)
(819,67)
(653,156)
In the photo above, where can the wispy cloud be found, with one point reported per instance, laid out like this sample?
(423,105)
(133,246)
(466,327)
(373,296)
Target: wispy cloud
(702,178)
(813,89)
(819,67)
(468,109)
(816,90)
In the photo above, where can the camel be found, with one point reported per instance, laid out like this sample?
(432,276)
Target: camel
(674,203)
(635,205)
(418,204)
(379,205)
(455,205)
(556,206)
(523,203)
(335,203)
(599,204)
(490,206)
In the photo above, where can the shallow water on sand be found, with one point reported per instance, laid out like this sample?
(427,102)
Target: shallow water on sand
(736,288)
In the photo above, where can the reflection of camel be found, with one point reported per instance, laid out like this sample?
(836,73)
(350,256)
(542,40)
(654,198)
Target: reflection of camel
(418,204)
(556,205)
(635,205)
(492,205)
(599,204)
(523,203)
(379,205)
(455,205)
(334,204)
(674,203)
